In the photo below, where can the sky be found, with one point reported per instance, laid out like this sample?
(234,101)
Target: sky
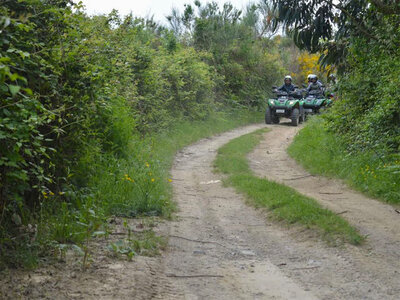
(143,8)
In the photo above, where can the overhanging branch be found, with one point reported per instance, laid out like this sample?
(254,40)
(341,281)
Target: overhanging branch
(356,22)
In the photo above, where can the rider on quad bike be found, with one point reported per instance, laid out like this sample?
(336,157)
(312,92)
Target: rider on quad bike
(287,86)
(315,100)
(315,84)
(288,103)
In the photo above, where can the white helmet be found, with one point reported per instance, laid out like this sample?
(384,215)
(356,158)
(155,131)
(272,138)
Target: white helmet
(288,77)
(312,76)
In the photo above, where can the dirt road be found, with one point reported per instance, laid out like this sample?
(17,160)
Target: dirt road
(262,260)
(221,248)
(227,238)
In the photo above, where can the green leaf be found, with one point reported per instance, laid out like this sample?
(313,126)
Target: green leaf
(14,89)
(28,91)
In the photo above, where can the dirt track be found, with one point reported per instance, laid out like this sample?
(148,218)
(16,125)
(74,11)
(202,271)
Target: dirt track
(221,248)
(250,248)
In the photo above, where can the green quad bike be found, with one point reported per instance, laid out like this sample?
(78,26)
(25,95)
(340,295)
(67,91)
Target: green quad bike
(315,102)
(285,105)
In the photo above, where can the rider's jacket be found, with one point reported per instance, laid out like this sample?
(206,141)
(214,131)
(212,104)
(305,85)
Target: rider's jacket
(287,88)
(315,86)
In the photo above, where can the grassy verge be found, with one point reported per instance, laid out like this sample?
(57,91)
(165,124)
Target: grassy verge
(132,183)
(321,152)
(284,203)
(140,184)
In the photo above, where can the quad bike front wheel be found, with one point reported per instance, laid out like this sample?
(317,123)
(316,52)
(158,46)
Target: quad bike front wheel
(302,117)
(295,117)
(268,116)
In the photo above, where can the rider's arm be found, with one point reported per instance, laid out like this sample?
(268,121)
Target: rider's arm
(321,86)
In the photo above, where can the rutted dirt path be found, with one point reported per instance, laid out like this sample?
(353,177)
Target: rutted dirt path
(379,259)
(221,248)
(216,234)
(259,259)
(378,221)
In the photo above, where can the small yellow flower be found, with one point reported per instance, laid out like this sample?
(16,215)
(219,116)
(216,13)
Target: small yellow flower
(170,180)
(147,164)
(152,180)
(51,194)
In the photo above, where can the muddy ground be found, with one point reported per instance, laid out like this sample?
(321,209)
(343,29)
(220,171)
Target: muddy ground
(221,248)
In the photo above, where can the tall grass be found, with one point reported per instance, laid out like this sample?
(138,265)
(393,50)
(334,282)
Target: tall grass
(130,182)
(139,183)
(284,203)
(321,152)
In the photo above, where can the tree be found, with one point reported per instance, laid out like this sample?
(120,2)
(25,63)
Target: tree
(326,26)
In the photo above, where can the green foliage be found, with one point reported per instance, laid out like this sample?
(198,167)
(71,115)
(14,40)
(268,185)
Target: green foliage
(285,203)
(125,187)
(367,114)
(246,61)
(138,243)
(322,152)
(38,109)
(361,38)
(92,110)
(329,27)
(366,117)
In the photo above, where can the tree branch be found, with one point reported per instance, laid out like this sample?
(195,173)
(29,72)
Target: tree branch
(384,8)
(356,22)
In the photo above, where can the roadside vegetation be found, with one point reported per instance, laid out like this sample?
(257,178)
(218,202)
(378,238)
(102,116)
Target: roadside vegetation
(284,203)
(92,110)
(359,138)
(322,152)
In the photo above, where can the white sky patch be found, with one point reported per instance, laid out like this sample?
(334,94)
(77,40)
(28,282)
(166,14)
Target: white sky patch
(145,8)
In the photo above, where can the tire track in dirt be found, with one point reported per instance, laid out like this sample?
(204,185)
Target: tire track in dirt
(217,234)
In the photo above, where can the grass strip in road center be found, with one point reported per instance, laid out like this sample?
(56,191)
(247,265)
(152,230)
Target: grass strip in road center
(285,203)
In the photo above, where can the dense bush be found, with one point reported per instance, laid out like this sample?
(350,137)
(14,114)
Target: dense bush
(248,63)
(367,114)
(361,39)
